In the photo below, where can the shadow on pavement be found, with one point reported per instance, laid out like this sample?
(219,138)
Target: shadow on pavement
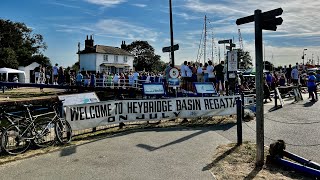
(274,108)
(68,151)
(224,127)
(253,173)
(309,104)
(150,148)
(219,158)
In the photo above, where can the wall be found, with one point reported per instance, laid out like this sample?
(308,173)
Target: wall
(88,62)
(100,60)
(26,70)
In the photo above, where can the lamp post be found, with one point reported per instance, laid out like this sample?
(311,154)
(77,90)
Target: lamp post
(303,56)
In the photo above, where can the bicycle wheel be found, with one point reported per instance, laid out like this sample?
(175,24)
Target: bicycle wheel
(16,139)
(1,131)
(44,133)
(63,131)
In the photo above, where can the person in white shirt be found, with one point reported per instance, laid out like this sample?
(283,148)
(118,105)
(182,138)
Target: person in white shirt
(210,70)
(183,74)
(189,76)
(295,75)
(200,73)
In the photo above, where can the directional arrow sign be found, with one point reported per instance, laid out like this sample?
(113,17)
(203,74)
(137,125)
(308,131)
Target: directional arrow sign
(168,49)
(272,13)
(232,45)
(245,20)
(224,41)
(271,24)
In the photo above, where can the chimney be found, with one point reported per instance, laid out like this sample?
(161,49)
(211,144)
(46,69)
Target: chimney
(123,45)
(89,43)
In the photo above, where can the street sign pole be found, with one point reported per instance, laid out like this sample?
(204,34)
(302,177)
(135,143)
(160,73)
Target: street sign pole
(259,88)
(171,34)
(267,21)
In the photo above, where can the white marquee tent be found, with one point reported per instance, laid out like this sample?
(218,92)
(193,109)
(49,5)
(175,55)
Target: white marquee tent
(11,71)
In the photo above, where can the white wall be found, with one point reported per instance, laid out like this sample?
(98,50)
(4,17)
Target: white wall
(100,60)
(26,70)
(88,62)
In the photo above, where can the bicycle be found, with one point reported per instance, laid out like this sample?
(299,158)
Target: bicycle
(17,137)
(7,119)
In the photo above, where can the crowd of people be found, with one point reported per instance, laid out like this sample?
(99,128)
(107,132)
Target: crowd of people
(189,73)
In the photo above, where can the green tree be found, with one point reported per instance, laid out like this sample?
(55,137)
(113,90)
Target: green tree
(20,39)
(268,66)
(244,59)
(144,56)
(76,67)
(8,58)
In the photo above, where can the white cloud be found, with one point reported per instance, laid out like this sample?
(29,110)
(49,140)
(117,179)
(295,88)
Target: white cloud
(299,27)
(126,29)
(106,3)
(113,28)
(140,5)
(64,5)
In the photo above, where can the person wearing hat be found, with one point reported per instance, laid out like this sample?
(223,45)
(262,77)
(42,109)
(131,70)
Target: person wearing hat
(312,87)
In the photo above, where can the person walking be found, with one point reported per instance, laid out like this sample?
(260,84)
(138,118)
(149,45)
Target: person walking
(312,86)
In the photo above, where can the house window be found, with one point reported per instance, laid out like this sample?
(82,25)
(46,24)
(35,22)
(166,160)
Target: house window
(115,58)
(125,59)
(105,58)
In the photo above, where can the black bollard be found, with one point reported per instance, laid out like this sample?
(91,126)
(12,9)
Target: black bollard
(239,121)
(242,103)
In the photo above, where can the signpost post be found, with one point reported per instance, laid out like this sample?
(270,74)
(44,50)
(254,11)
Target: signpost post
(171,33)
(229,80)
(266,21)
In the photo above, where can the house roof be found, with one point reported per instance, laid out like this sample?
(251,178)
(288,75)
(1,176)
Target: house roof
(106,50)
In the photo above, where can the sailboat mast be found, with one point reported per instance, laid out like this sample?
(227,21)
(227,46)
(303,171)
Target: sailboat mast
(212,48)
(205,39)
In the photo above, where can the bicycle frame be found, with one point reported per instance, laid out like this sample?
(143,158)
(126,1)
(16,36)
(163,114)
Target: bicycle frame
(31,125)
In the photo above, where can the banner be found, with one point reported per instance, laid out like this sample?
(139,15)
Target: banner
(82,98)
(113,112)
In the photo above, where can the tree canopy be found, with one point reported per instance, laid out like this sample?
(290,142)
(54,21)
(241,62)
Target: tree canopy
(244,59)
(144,57)
(19,46)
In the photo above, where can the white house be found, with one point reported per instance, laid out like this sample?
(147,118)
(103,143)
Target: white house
(101,58)
(28,70)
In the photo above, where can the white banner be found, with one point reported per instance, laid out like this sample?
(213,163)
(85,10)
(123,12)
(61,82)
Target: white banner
(82,98)
(113,112)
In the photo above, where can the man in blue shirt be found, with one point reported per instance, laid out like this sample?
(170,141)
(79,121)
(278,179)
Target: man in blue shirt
(79,79)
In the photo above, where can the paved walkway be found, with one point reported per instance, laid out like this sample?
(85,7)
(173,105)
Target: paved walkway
(169,153)
(148,154)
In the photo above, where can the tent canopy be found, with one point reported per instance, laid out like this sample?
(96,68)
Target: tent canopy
(11,71)
(252,71)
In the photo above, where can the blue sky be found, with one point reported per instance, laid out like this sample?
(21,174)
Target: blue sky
(64,23)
